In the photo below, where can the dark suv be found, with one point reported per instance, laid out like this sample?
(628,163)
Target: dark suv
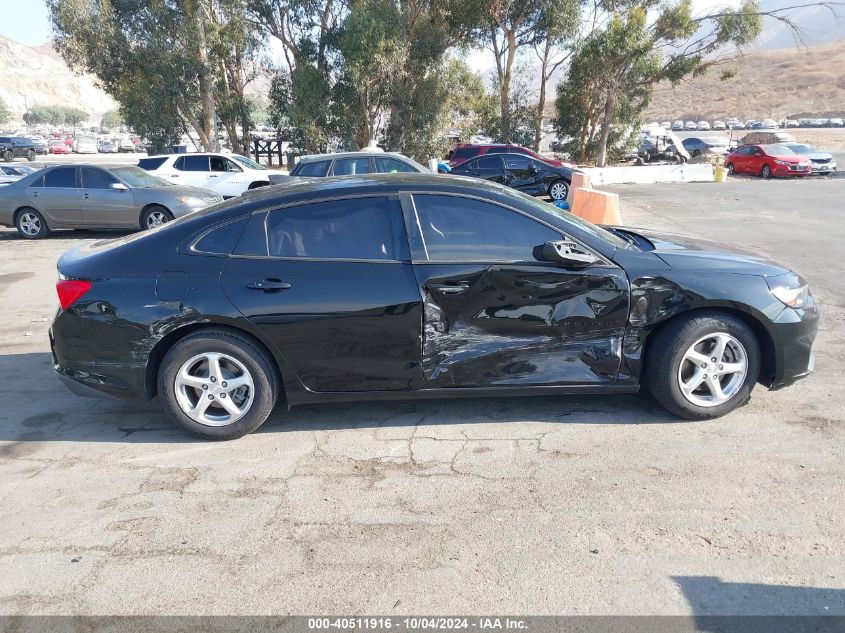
(12,147)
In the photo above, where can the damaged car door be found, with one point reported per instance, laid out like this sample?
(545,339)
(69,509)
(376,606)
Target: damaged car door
(499,310)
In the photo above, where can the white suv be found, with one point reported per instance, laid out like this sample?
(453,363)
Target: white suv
(227,174)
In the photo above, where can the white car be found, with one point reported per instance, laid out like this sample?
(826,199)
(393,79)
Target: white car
(691,126)
(719,125)
(227,174)
(703,126)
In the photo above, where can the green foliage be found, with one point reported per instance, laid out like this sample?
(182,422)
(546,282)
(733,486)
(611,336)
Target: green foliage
(112,119)
(5,113)
(614,70)
(54,115)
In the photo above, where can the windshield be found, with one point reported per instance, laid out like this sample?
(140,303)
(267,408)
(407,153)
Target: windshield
(248,162)
(801,149)
(778,150)
(548,209)
(137,177)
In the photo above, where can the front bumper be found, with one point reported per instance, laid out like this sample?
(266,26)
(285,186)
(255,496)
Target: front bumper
(794,333)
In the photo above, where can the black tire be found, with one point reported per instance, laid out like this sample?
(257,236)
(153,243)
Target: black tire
(26,220)
(256,360)
(766,172)
(154,215)
(666,352)
(8,156)
(257,184)
(31,155)
(696,153)
(731,168)
(560,188)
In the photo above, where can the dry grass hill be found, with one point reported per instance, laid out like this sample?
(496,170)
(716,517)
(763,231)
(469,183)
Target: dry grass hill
(769,84)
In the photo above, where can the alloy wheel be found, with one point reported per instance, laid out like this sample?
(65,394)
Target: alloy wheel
(156,218)
(713,370)
(214,389)
(559,191)
(30,224)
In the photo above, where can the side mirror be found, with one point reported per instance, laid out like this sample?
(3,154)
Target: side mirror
(119,186)
(568,253)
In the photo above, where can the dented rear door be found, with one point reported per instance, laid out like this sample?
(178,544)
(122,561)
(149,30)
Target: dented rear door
(494,315)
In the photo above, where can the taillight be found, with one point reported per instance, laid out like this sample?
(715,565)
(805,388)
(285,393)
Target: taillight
(71,290)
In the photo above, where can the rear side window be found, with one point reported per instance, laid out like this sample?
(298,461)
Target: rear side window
(192,163)
(488,162)
(318,168)
(358,228)
(391,165)
(222,240)
(517,162)
(463,229)
(463,153)
(151,163)
(351,166)
(61,177)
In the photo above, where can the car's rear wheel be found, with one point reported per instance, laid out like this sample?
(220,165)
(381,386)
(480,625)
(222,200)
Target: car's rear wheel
(218,384)
(703,366)
(155,215)
(766,172)
(559,189)
(731,169)
(31,225)
(8,156)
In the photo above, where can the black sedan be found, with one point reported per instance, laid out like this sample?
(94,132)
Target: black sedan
(520,172)
(415,286)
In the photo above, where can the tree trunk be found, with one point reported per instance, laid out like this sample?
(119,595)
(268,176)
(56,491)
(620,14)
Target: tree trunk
(505,89)
(607,121)
(541,106)
(206,81)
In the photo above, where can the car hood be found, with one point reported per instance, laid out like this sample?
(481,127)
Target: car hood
(687,253)
(819,156)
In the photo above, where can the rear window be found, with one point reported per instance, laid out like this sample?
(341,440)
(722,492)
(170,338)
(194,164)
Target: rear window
(318,168)
(463,153)
(64,177)
(222,240)
(151,164)
(192,163)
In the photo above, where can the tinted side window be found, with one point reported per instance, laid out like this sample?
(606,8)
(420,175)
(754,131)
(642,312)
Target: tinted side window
(517,162)
(61,177)
(463,229)
(318,168)
(97,178)
(222,240)
(488,162)
(391,165)
(151,163)
(218,163)
(192,163)
(359,228)
(351,166)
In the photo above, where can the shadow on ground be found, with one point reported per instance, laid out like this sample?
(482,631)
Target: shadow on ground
(46,411)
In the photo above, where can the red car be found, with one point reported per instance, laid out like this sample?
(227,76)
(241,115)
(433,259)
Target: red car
(57,146)
(464,151)
(767,161)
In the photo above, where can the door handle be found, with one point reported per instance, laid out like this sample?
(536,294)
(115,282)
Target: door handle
(174,175)
(212,175)
(268,285)
(450,289)
(35,194)
(86,195)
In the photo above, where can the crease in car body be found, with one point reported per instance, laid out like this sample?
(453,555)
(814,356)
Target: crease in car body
(524,325)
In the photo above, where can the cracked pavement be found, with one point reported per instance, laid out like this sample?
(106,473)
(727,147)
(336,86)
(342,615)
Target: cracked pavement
(543,505)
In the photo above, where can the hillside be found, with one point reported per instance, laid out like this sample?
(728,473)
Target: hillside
(41,76)
(768,84)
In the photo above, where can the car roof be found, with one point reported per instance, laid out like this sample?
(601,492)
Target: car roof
(310,158)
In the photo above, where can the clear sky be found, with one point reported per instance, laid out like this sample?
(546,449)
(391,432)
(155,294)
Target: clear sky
(24,21)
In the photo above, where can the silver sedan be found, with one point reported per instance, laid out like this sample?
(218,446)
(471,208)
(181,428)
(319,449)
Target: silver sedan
(95,197)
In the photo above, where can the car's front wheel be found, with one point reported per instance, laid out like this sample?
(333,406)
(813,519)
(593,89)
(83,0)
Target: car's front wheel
(766,172)
(155,215)
(31,225)
(31,155)
(218,383)
(703,366)
(559,189)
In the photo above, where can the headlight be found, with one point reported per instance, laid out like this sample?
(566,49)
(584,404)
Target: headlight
(782,162)
(191,201)
(792,297)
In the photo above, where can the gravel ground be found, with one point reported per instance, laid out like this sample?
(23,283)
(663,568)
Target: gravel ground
(553,505)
